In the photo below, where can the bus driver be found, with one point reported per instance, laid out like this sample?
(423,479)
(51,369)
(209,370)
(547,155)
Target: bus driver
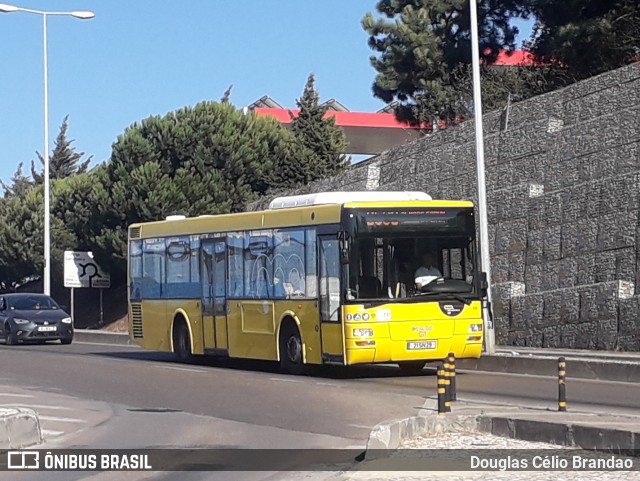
(427,272)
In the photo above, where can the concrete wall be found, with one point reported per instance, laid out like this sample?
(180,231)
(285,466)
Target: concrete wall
(563,174)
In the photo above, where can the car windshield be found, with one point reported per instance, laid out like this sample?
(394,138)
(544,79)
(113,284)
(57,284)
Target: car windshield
(32,303)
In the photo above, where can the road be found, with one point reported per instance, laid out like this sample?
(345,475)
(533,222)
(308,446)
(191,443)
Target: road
(107,396)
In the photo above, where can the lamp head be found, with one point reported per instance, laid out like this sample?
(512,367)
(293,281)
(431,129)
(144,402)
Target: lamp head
(83,14)
(4,8)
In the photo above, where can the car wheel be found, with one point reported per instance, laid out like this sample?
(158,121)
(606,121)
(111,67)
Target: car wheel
(10,338)
(66,340)
(412,367)
(291,350)
(182,343)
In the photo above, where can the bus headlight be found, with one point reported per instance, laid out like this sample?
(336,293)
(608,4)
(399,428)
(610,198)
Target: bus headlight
(475,328)
(361,332)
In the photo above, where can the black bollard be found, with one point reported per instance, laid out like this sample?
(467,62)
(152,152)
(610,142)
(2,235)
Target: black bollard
(441,392)
(447,386)
(562,386)
(452,377)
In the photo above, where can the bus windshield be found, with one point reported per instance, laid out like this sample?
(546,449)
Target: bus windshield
(411,255)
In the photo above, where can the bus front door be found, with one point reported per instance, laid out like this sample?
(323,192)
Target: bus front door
(214,294)
(329,295)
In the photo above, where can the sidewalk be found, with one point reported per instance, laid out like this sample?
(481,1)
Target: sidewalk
(581,429)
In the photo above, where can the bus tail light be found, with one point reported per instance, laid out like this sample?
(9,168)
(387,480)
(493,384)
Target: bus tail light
(365,343)
(474,338)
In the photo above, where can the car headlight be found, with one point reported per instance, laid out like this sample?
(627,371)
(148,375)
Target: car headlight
(66,320)
(21,321)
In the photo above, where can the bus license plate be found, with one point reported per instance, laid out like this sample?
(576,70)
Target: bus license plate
(415,345)
(46,328)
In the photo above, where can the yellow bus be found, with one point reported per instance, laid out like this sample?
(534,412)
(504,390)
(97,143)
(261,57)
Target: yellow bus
(325,278)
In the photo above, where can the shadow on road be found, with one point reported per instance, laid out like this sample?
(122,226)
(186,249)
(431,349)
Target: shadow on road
(323,372)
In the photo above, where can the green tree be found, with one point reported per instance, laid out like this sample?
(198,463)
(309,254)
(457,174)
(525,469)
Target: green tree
(586,37)
(64,160)
(75,221)
(421,44)
(207,159)
(226,96)
(323,143)
(20,184)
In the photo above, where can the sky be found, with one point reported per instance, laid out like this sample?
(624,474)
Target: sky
(139,58)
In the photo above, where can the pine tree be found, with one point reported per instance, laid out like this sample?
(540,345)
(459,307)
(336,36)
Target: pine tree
(422,43)
(324,142)
(226,96)
(20,184)
(64,160)
(586,37)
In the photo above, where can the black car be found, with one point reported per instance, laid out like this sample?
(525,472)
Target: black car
(33,318)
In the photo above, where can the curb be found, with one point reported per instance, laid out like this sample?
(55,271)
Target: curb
(579,368)
(19,427)
(103,337)
(389,435)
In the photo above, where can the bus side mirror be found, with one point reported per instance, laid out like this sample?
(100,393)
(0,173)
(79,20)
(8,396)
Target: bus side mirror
(484,284)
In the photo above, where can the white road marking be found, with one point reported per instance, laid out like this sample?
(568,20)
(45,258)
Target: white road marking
(2,394)
(327,384)
(51,433)
(360,426)
(284,379)
(107,344)
(180,368)
(61,419)
(41,406)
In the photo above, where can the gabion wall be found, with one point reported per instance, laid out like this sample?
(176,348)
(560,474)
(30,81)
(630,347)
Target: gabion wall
(563,175)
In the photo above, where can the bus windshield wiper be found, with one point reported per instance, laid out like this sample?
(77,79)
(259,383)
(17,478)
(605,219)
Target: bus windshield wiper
(458,297)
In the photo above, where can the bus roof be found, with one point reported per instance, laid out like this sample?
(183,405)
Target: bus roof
(321,198)
(301,215)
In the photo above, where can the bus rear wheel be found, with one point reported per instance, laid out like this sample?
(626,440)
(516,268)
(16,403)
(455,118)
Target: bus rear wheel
(412,367)
(182,343)
(291,350)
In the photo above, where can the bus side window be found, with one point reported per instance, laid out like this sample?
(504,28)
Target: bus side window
(236,265)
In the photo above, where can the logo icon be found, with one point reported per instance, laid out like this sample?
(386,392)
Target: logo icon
(451,308)
(23,460)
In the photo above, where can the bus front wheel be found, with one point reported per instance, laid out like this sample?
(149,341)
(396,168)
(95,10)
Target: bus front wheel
(291,350)
(182,343)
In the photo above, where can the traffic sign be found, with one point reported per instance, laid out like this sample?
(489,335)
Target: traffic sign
(81,270)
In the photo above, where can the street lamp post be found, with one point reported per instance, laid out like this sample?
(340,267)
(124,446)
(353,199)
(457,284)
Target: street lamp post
(489,332)
(82,14)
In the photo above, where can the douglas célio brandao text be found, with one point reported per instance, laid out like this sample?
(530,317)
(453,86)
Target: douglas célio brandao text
(551,462)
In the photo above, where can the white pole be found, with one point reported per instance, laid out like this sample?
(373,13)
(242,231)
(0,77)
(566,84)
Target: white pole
(82,14)
(73,314)
(489,333)
(47,236)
